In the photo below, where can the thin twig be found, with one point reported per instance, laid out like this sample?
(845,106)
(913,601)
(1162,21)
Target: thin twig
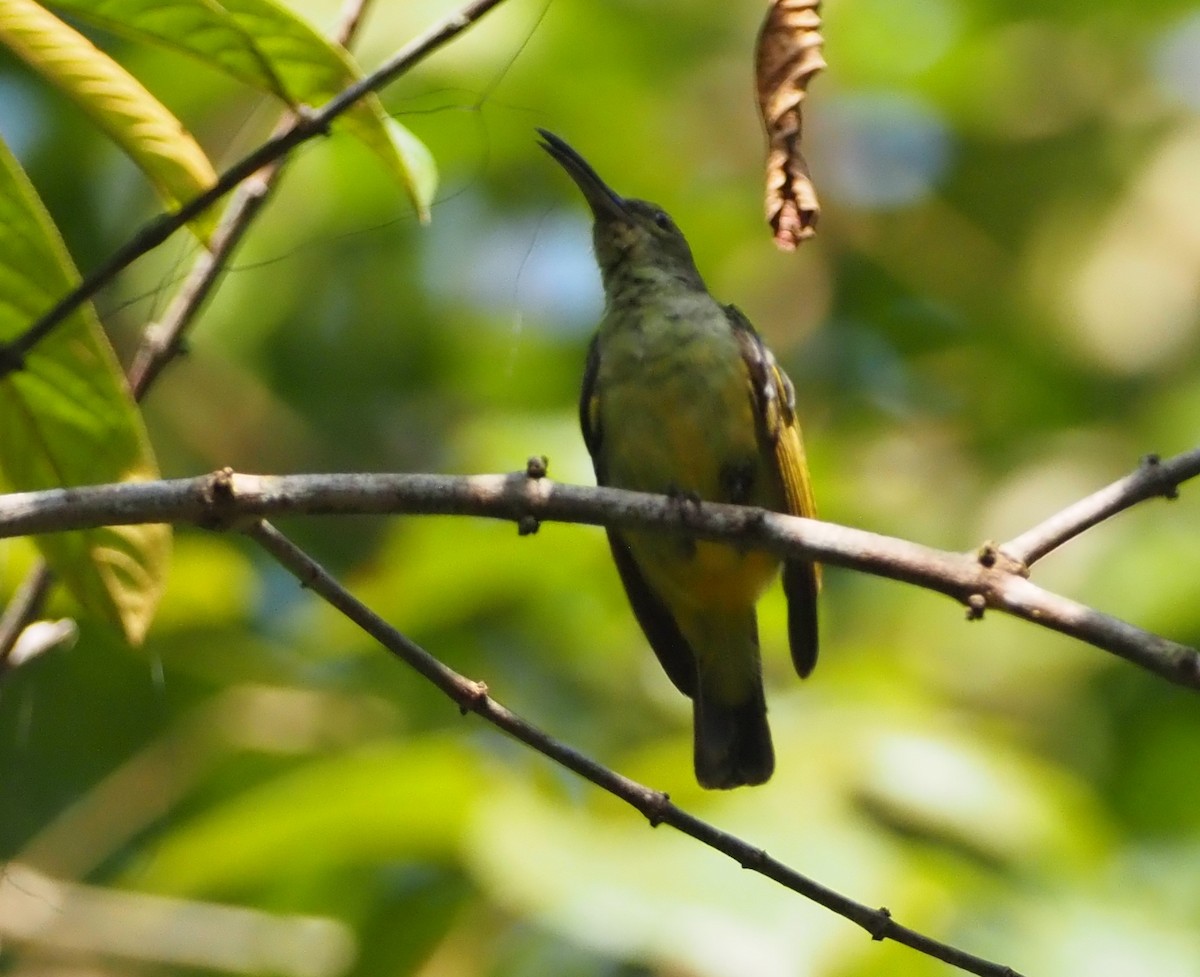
(163,341)
(225,499)
(25,605)
(305,127)
(657,808)
(1152,479)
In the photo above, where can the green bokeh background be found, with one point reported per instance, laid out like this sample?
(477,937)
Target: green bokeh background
(998,316)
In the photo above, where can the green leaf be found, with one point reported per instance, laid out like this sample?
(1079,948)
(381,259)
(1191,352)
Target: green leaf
(382,803)
(154,139)
(420,167)
(201,28)
(290,59)
(314,70)
(67,418)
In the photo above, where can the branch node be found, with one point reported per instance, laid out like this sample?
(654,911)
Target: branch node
(755,860)
(309,578)
(976,605)
(992,557)
(655,807)
(220,484)
(881,924)
(686,503)
(218,495)
(1152,468)
(313,120)
(537,466)
(471,696)
(527,525)
(1188,667)
(754,520)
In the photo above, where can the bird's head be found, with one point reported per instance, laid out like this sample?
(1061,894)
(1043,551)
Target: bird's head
(630,236)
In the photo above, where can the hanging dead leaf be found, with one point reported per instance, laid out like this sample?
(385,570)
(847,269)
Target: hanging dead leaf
(788,55)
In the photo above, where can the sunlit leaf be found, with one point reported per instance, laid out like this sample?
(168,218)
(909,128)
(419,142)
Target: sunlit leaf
(420,168)
(788,55)
(67,417)
(201,28)
(272,48)
(314,69)
(154,139)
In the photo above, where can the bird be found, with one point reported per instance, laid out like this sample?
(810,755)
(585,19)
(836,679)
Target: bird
(682,397)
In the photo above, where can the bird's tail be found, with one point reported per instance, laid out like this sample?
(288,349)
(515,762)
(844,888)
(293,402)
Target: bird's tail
(732,740)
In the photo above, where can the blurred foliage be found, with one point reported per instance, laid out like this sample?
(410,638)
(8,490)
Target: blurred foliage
(998,315)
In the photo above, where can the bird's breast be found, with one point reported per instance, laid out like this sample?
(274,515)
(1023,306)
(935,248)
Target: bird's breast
(677,417)
(674,402)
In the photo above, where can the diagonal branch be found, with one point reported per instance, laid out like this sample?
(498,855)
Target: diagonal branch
(1153,478)
(978,580)
(655,806)
(989,578)
(163,340)
(20,611)
(305,127)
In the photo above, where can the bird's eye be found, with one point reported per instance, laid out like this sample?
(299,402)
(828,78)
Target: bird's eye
(662,220)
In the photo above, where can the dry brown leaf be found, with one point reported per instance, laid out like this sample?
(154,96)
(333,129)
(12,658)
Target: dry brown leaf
(788,55)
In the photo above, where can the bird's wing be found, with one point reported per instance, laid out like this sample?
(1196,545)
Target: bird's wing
(589,405)
(657,623)
(775,405)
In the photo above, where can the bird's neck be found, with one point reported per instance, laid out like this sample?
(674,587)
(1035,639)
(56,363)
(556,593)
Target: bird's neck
(651,313)
(630,285)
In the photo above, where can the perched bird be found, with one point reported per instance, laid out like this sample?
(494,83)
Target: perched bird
(681,397)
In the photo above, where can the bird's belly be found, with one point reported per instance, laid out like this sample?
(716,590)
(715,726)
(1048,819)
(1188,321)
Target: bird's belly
(672,423)
(705,576)
(681,432)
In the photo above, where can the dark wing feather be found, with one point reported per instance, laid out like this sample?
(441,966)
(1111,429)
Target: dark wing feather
(775,403)
(801,581)
(589,405)
(674,653)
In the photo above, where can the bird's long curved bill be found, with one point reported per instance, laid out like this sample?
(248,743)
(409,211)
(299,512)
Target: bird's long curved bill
(604,201)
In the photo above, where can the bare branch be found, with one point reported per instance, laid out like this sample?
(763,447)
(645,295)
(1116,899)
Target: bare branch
(163,341)
(305,127)
(1152,479)
(1178,663)
(654,805)
(226,500)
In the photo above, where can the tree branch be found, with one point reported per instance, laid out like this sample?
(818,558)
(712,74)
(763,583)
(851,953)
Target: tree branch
(163,341)
(979,580)
(304,127)
(1153,478)
(654,805)
(985,579)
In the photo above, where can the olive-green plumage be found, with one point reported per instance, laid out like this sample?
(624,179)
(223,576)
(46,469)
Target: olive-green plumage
(680,396)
